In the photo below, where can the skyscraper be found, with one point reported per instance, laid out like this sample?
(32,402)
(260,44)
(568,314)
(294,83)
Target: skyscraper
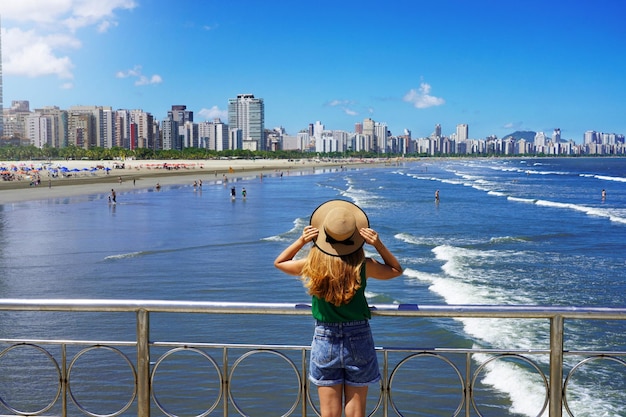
(462,132)
(248,114)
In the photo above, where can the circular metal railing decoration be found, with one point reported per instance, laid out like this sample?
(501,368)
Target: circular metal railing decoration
(73,365)
(586,361)
(203,355)
(264,352)
(421,355)
(49,358)
(514,358)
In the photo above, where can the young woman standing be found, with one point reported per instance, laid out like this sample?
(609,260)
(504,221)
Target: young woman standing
(343,359)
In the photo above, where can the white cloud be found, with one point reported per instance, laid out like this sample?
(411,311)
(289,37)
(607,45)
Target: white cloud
(154,79)
(421,97)
(214,113)
(38,33)
(335,103)
(343,104)
(513,125)
(30,54)
(141,79)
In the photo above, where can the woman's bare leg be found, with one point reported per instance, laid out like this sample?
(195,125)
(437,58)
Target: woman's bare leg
(331,400)
(356,400)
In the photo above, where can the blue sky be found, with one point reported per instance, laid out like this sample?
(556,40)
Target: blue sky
(498,66)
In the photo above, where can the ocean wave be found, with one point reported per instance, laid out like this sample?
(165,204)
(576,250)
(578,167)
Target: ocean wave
(522,200)
(298,224)
(125,255)
(612,214)
(506,239)
(607,178)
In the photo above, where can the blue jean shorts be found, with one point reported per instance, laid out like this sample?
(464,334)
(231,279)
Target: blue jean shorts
(343,353)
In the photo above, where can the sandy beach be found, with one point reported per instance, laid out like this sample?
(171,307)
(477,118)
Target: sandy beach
(38,180)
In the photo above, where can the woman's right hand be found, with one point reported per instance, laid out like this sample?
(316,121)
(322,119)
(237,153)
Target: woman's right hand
(309,233)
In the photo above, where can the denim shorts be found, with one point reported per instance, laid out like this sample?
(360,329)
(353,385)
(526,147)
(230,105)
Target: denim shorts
(343,353)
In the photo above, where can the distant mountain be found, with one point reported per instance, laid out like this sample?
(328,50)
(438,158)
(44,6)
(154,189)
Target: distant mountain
(522,134)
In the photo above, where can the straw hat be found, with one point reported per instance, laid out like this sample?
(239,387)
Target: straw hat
(339,222)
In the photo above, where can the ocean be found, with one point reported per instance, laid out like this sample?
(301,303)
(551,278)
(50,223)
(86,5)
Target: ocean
(534,231)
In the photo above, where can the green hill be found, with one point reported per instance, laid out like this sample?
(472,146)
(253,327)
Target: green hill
(522,134)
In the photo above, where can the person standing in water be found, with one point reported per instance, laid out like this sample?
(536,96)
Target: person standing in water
(343,359)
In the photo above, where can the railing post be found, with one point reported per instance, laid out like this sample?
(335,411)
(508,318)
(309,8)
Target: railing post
(556,366)
(143,363)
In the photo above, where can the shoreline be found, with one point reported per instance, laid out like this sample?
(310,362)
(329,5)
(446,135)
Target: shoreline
(60,179)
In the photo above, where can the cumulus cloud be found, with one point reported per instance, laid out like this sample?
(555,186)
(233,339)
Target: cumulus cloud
(38,33)
(30,54)
(421,97)
(214,113)
(140,78)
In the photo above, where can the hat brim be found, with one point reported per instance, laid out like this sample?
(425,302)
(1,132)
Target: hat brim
(338,248)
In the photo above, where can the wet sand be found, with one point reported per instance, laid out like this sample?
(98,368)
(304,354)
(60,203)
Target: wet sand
(70,178)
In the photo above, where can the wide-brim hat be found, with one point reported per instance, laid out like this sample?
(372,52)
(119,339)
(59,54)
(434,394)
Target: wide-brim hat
(339,222)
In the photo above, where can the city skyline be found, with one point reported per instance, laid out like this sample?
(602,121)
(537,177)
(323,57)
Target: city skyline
(495,67)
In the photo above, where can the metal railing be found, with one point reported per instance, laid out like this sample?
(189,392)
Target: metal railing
(144,367)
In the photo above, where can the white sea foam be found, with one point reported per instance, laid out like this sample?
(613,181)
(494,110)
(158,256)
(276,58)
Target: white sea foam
(522,200)
(298,224)
(615,215)
(124,255)
(607,178)
(462,281)
(523,384)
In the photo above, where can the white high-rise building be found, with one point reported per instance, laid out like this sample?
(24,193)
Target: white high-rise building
(462,132)
(213,135)
(381,135)
(37,130)
(540,142)
(248,114)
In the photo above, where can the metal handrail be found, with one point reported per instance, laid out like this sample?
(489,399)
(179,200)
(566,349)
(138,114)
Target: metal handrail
(555,383)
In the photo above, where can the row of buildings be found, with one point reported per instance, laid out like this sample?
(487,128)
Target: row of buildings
(101,126)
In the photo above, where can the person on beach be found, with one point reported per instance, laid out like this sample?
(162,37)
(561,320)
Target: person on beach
(335,272)
(437,196)
(113,196)
(244,193)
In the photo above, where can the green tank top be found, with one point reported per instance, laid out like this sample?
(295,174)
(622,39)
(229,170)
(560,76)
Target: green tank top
(357,309)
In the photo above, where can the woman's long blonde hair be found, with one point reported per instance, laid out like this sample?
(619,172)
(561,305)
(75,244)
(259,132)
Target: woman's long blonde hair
(333,278)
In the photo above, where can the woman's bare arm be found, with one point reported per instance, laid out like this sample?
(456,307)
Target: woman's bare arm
(391,268)
(285,261)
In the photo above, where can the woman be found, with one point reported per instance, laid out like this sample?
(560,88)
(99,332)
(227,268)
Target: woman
(343,359)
